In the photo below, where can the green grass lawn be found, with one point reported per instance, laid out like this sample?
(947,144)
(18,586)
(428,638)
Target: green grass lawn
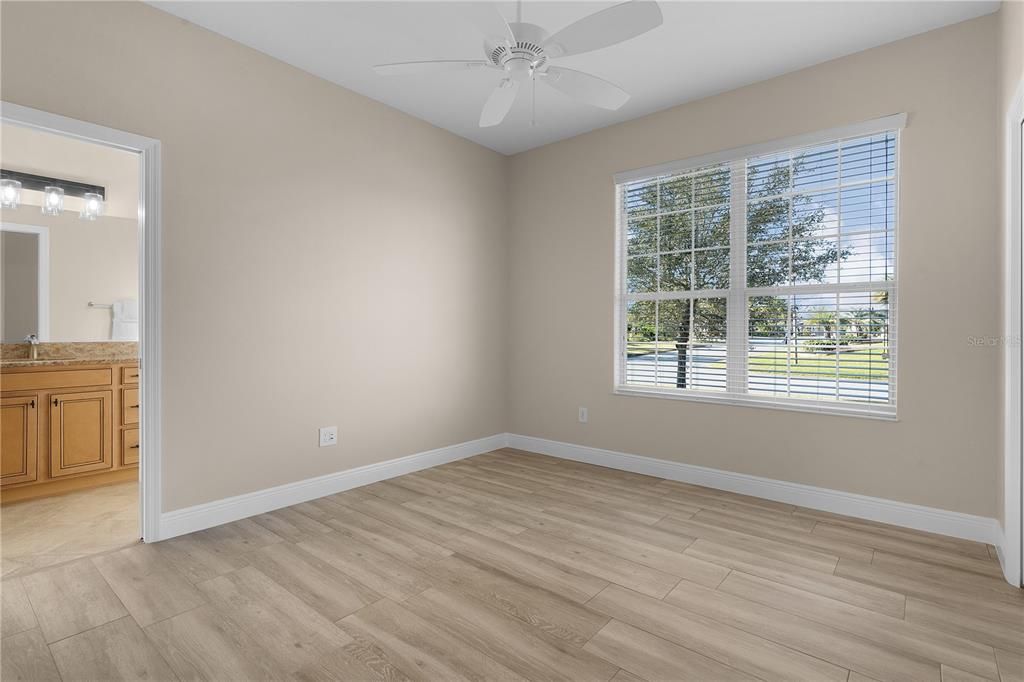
(864,362)
(855,362)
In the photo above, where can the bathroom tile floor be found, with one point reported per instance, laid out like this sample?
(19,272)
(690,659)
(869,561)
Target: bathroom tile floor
(38,533)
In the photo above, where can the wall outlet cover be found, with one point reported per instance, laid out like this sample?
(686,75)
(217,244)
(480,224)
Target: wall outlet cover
(583,415)
(328,436)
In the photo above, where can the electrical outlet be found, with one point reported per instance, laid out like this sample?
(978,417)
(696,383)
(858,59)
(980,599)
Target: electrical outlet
(583,415)
(328,436)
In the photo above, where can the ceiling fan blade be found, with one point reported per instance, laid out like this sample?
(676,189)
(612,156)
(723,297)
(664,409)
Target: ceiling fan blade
(487,19)
(607,27)
(586,88)
(499,103)
(434,66)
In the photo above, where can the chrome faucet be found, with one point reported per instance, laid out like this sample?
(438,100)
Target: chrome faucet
(33,346)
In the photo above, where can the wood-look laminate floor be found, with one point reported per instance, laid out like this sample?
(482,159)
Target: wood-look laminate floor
(512,565)
(54,530)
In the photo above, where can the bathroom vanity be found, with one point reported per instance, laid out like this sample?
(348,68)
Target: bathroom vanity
(67,423)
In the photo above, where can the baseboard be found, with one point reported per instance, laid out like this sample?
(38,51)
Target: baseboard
(1006,550)
(944,522)
(200,516)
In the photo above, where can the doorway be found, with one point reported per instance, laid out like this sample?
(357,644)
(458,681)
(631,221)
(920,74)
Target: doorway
(124,413)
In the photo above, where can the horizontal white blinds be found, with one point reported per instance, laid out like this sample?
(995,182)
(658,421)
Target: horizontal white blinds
(770,276)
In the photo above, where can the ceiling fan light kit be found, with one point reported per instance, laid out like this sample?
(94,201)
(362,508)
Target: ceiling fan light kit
(522,52)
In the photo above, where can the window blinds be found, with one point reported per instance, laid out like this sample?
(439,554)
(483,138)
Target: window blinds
(767,278)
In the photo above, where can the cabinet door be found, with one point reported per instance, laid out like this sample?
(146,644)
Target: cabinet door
(19,422)
(81,431)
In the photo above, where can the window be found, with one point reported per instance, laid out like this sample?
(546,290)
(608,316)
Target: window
(764,276)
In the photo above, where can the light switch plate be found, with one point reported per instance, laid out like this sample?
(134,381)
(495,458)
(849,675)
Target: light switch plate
(328,436)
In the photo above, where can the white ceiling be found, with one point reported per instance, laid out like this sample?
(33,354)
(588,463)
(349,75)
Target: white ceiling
(702,48)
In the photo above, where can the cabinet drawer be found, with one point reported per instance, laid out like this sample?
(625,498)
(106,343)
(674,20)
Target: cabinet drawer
(67,378)
(129,375)
(130,447)
(129,406)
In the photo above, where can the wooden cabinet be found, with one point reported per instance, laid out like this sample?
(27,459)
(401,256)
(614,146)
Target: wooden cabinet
(81,431)
(19,438)
(67,427)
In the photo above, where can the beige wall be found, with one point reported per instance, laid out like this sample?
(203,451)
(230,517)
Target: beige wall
(1011,75)
(942,451)
(373,303)
(89,261)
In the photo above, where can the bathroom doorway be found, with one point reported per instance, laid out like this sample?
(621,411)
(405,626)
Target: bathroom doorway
(79,361)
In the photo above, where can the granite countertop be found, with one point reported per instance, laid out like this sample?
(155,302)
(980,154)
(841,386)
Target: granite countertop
(9,363)
(63,354)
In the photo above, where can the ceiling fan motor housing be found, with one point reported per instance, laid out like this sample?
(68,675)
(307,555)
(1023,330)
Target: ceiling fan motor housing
(523,58)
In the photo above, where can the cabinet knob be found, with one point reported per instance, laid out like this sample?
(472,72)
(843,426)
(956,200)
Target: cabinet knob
(55,402)
(32,403)
(133,447)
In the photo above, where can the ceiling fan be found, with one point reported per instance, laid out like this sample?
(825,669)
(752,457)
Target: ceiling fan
(523,52)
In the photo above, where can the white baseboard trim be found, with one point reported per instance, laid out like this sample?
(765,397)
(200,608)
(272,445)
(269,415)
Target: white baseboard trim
(955,524)
(1005,548)
(200,516)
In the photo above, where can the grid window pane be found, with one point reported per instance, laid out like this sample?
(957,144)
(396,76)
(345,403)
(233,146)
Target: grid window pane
(676,232)
(642,236)
(674,274)
(690,351)
(641,199)
(676,194)
(768,220)
(711,227)
(642,274)
(820,346)
(711,187)
(711,269)
(868,158)
(640,341)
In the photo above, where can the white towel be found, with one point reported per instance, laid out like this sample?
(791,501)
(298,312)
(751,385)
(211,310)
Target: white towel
(126,310)
(125,326)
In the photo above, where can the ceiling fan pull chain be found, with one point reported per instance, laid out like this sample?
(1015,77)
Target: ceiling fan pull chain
(533,108)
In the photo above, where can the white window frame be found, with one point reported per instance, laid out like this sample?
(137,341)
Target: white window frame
(737,296)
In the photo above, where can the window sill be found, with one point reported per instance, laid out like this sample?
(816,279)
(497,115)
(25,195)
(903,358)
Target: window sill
(887,413)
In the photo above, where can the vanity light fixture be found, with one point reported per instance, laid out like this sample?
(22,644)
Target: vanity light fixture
(54,190)
(92,206)
(10,193)
(53,200)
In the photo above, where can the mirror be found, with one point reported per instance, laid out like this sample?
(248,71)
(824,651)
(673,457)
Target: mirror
(22,255)
(66,278)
